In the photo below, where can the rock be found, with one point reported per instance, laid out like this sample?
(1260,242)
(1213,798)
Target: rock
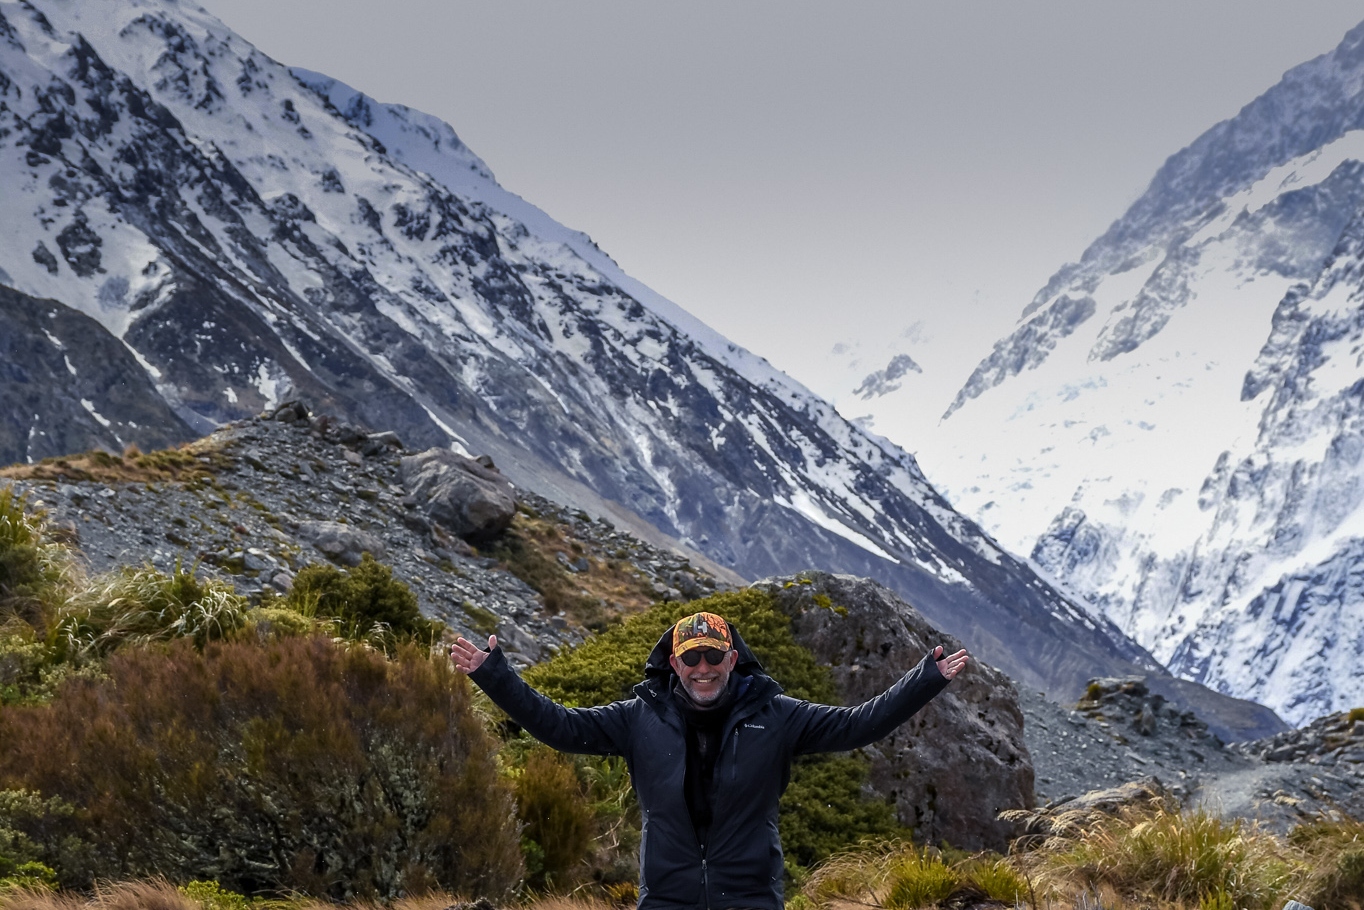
(378,443)
(522,647)
(954,766)
(1109,801)
(458,493)
(1146,721)
(289,412)
(256,560)
(342,543)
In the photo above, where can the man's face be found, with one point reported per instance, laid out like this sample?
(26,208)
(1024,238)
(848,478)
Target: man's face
(705,682)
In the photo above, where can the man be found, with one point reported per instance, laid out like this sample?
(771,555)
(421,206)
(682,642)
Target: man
(709,740)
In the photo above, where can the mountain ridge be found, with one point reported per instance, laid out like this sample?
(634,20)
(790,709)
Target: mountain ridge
(1176,429)
(235,227)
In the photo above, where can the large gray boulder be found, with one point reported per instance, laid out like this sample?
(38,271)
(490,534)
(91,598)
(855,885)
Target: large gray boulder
(342,543)
(469,498)
(956,764)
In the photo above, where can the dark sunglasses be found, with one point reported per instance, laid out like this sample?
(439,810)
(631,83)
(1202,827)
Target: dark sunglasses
(713,656)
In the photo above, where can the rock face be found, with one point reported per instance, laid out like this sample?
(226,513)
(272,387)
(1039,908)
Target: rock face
(342,543)
(67,385)
(470,499)
(958,763)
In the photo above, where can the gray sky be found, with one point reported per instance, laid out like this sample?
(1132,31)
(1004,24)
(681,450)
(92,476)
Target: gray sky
(893,176)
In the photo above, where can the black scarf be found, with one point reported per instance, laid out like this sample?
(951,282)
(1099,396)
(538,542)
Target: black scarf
(705,728)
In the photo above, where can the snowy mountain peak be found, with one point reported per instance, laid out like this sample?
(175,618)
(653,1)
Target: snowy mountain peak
(248,233)
(1176,438)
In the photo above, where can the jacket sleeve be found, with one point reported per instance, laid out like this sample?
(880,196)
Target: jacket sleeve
(825,728)
(595,731)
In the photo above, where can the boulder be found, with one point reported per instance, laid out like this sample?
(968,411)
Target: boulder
(466,498)
(953,767)
(342,543)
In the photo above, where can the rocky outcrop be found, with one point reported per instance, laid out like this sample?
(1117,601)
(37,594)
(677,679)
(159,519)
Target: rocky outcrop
(67,385)
(341,543)
(468,497)
(268,497)
(962,760)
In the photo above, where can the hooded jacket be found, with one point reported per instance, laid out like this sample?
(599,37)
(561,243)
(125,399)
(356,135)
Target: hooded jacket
(741,865)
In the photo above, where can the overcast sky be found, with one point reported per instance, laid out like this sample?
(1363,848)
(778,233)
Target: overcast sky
(891,176)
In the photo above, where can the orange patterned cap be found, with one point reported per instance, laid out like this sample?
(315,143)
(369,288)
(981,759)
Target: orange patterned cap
(701,630)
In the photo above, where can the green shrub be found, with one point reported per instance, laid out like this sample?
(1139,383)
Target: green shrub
(919,879)
(137,606)
(211,896)
(30,668)
(289,765)
(557,816)
(824,808)
(22,811)
(995,878)
(367,600)
(35,569)
(1355,715)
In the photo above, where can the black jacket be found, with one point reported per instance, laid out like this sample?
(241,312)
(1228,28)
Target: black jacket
(742,865)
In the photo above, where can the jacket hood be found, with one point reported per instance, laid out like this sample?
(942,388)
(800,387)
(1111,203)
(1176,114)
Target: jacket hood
(657,668)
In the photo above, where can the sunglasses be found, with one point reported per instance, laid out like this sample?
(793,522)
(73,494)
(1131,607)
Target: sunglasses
(712,655)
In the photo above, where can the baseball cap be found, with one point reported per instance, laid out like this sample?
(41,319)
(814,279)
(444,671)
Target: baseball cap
(701,630)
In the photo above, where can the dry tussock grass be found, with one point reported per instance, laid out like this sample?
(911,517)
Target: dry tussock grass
(156,894)
(183,463)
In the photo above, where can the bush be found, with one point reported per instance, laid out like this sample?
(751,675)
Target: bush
(35,569)
(824,808)
(138,606)
(919,879)
(556,814)
(30,669)
(289,765)
(1175,857)
(367,600)
(1335,855)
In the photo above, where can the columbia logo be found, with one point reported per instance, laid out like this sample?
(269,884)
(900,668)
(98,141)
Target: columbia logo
(755,726)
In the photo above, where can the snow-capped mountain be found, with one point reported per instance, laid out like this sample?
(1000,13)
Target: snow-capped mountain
(248,233)
(1174,428)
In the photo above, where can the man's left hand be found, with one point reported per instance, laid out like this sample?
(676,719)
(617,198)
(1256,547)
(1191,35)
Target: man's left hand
(949,665)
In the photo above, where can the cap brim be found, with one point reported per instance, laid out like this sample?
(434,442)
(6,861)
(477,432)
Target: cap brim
(692,644)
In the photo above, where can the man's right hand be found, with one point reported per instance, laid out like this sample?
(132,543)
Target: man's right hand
(468,656)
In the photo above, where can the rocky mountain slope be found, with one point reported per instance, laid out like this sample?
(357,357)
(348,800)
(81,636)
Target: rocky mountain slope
(248,233)
(1174,422)
(255,501)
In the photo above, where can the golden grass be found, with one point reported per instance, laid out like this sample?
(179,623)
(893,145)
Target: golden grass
(608,590)
(183,463)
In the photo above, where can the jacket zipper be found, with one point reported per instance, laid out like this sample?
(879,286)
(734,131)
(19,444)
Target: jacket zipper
(705,879)
(734,756)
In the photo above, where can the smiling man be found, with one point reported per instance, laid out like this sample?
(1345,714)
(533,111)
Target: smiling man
(709,739)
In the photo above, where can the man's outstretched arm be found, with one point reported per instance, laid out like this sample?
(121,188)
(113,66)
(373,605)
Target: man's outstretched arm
(596,731)
(825,728)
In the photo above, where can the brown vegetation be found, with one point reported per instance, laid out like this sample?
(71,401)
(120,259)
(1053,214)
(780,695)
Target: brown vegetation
(293,765)
(198,460)
(607,590)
